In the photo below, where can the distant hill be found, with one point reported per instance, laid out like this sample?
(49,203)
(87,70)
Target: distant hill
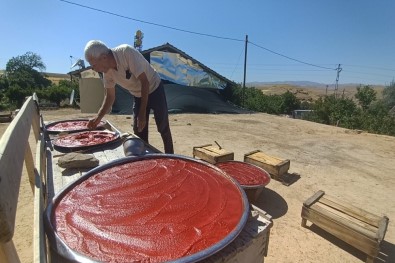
(310,91)
(291,83)
(48,75)
(56,77)
(302,84)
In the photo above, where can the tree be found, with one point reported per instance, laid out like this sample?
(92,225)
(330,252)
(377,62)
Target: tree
(17,96)
(334,111)
(365,96)
(3,82)
(290,102)
(389,95)
(21,71)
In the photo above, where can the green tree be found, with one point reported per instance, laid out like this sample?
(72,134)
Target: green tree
(389,95)
(335,111)
(22,71)
(3,82)
(58,92)
(289,102)
(17,96)
(365,95)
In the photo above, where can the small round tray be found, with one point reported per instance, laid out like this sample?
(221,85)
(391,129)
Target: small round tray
(85,140)
(76,125)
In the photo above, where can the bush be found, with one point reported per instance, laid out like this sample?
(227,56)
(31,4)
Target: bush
(16,95)
(255,100)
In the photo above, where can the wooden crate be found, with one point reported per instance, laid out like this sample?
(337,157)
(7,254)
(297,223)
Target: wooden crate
(275,166)
(251,245)
(355,226)
(212,154)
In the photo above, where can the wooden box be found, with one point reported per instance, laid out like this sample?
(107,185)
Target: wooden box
(355,226)
(251,245)
(273,165)
(212,154)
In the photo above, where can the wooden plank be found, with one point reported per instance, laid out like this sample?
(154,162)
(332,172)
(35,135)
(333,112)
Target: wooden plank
(39,244)
(349,236)
(12,153)
(269,168)
(314,198)
(114,154)
(213,154)
(202,146)
(351,210)
(346,220)
(8,253)
(102,157)
(262,157)
(252,152)
(382,229)
(41,159)
(204,155)
(54,175)
(273,165)
(36,122)
(70,175)
(29,164)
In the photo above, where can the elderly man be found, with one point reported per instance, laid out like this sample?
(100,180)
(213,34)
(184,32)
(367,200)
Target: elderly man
(125,66)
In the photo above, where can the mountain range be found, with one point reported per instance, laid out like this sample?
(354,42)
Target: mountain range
(300,84)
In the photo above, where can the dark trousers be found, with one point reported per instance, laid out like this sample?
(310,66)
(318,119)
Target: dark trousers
(157,102)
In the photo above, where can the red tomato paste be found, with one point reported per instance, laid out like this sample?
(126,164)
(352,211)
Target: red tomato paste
(87,138)
(151,210)
(246,174)
(70,126)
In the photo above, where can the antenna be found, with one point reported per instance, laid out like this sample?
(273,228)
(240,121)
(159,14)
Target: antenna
(138,40)
(339,69)
(80,63)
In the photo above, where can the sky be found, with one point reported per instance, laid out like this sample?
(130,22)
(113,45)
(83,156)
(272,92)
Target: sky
(288,40)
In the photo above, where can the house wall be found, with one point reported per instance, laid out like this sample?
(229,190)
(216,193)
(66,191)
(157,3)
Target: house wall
(91,94)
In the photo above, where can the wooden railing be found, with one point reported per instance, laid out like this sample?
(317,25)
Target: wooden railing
(15,151)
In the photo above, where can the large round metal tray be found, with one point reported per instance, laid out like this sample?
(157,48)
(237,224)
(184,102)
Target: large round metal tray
(66,252)
(59,144)
(49,127)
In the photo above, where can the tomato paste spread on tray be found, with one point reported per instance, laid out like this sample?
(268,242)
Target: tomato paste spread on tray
(87,138)
(151,210)
(64,126)
(246,174)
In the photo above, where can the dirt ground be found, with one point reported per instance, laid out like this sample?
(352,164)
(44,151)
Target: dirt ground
(356,167)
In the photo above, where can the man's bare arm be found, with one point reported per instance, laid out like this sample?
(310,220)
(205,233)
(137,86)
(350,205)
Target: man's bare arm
(109,98)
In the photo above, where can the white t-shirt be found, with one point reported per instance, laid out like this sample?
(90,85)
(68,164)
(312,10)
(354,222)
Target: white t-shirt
(129,59)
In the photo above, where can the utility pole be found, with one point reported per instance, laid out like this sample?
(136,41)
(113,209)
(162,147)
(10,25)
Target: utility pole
(339,69)
(245,66)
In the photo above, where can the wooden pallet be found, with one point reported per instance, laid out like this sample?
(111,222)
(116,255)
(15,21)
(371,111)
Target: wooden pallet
(212,154)
(275,166)
(357,227)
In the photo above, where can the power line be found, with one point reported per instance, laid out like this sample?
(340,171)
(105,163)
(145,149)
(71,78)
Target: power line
(374,74)
(237,64)
(370,67)
(193,32)
(297,60)
(151,23)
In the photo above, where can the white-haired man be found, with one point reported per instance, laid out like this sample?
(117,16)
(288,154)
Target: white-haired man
(125,66)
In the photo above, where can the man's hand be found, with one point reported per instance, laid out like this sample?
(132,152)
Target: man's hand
(141,122)
(92,123)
